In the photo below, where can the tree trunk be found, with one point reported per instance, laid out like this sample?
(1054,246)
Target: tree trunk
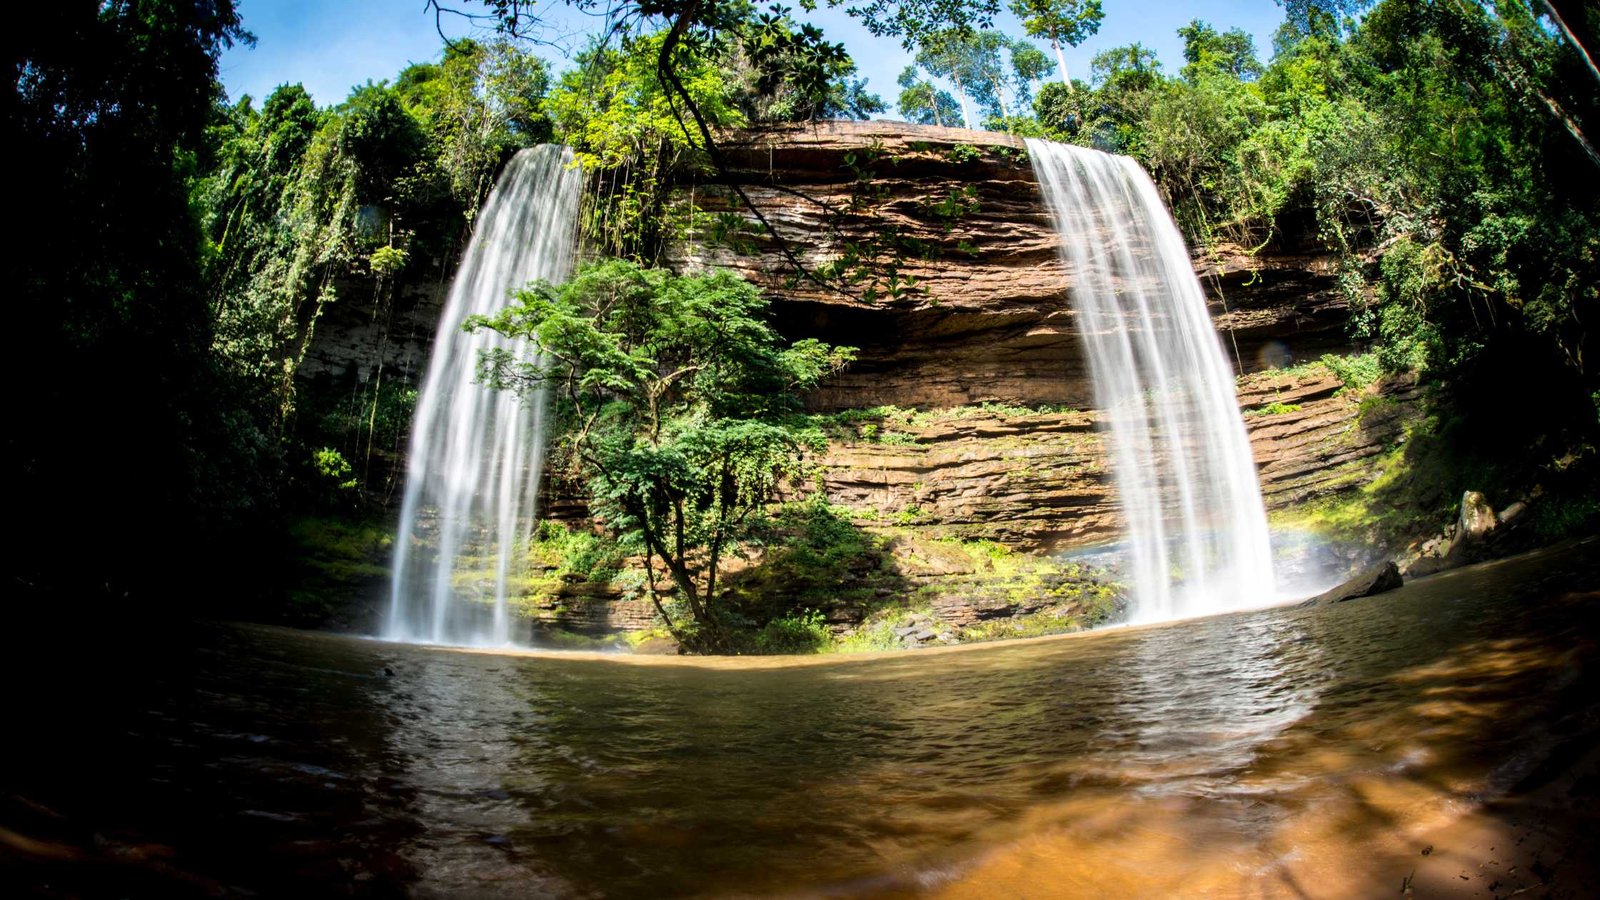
(1576,31)
(966,114)
(1061,60)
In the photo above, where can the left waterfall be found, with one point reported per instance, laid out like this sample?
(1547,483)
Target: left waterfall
(477,454)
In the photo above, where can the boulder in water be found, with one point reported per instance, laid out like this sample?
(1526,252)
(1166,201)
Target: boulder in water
(1384,576)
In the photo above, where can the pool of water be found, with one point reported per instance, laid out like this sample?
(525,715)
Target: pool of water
(1209,756)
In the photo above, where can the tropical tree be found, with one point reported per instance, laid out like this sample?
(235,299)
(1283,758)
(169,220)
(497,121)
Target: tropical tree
(1028,65)
(789,73)
(986,67)
(1206,51)
(950,55)
(1069,22)
(923,102)
(107,110)
(676,401)
(1127,68)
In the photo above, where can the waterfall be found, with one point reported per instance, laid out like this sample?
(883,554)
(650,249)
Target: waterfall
(1196,526)
(476,454)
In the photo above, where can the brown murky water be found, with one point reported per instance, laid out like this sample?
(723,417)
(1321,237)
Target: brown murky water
(1274,753)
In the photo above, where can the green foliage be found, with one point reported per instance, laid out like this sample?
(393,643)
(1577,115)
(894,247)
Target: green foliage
(1126,69)
(1069,22)
(790,74)
(622,120)
(336,562)
(387,262)
(576,554)
(1209,52)
(300,198)
(676,402)
(107,116)
(479,104)
(924,103)
(1564,517)
(963,153)
(633,109)
(986,67)
(1357,371)
(1275,408)
(806,632)
(334,469)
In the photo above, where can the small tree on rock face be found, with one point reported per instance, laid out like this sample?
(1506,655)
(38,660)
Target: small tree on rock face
(676,405)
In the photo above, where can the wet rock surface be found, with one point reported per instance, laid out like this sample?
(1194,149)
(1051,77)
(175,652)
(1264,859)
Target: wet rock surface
(1041,481)
(1378,579)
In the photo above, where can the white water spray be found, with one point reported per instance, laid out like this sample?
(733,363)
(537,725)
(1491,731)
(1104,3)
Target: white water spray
(476,454)
(1196,525)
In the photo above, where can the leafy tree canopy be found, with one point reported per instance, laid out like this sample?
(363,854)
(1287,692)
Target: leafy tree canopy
(924,103)
(1069,22)
(676,401)
(1207,51)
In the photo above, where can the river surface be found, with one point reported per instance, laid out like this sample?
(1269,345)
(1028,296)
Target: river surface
(1242,755)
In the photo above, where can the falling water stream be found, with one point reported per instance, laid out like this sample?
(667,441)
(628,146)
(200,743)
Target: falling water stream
(475,456)
(1186,481)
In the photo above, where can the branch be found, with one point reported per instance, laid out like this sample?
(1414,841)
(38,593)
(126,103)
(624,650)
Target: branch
(670,77)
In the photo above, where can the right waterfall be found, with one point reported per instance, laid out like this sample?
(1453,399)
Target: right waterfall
(1196,526)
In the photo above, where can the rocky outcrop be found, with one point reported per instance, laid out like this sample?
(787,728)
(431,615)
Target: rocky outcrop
(945,267)
(948,279)
(1374,580)
(930,250)
(1312,437)
(1464,541)
(359,334)
(588,609)
(1039,480)
(1025,480)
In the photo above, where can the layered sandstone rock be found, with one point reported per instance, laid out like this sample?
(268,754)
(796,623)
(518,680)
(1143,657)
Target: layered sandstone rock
(1039,481)
(947,273)
(363,333)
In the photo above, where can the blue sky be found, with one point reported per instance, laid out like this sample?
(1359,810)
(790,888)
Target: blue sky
(332,46)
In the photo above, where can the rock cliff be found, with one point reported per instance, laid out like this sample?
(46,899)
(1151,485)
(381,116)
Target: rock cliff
(1035,482)
(931,250)
(1039,481)
(928,248)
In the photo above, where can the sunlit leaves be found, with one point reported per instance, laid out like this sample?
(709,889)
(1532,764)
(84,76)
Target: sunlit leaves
(676,400)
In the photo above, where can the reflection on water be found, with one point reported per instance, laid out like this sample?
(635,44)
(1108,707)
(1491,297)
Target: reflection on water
(1194,712)
(269,759)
